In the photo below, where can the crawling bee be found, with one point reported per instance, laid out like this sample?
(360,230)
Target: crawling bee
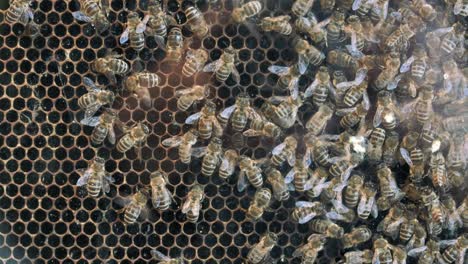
(456,156)
(212,156)
(314,29)
(422,107)
(156,23)
(284,151)
(259,204)
(95,177)
(354,116)
(94,11)
(357,236)
(196,21)
(139,84)
(103,127)
(417,62)
(289,77)
(301,7)
(317,183)
(318,149)
(278,184)
(260,252)
(308,54)
(354,90)
(351,193)
(327,228)
(319,120)
(94,99)
(262,127)
(111,65)
(185,144)
(438,172)
(389,191)
(175,45)
(357,35)
(309,251)
(335,29)
(187,97)
(163,259)
(359,257)
(387,112)
(135,206)
(343,60)
(436,216)
(300,174)
(161,197)
(390,149)
(388,76)
(416,160)
(461,8)
(392,221)
(399,39)
(367,204)
(19,11)
(279,24)
(284,114)
(456,123)
(249,170)
(134,137)
(321,88)
(457,251)
(194,61)
(224,66)
(306,211)
(192,204)
(247,10)
(453,39)
(454,220)
(134,32)
(240,113)
(427,254)
(208,125)
(228,163)
(382,251)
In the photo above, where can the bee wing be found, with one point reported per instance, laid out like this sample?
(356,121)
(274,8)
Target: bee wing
(393,84)
(322,24)
(252,133)
(85,173)
(378,116)
(415,252)
(278,149)
(90,85)
(303,63)
(212,66)
(235,74)
(142,25)
(159,256)
(193,118)
(160,41)
(298,252)
(172,141)
(374,209)
(277,99)
(196,208)
(292,159)
(279,70)
(305,204)
(80,16)
(294,87)
(124,37)
(91,110)
(170,20)
(198,152)
(345,111)
(111,135)
(356,4)
(407,64)
(91,121)
(227,112)
(307,218)
(241,181)
(106,184)
(458,7)
(333,215)
(308,92)
(186,206)
(290,176)
(406,156)
(253,113)
(156,200)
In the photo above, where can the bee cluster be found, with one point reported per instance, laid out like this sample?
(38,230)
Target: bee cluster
(362,120)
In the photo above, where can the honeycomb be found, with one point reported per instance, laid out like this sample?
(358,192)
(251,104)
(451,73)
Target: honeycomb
(45,217)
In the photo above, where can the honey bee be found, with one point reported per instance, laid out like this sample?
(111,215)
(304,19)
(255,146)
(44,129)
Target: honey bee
(399,39)
(278,184)
(163,259)
(464,212)
(456,252)
(390,149)
(306,211)
(354,90)
(212,156)
(387,112)
(196,21)
(341,59)
(357,236)
(314,29)
(300,174)
(399,255)
(357,37)
(247,10)
(327,228)
(289,77)
(156,22)
(111,65)
(259,204)
(309,251)
(422,107)
(321,89)
(92,11)
(389,191)
(454,220)
(355,116)
(359,257)
(456,156)
(240,113)
(136,37)
(194,61)
(460,8)
(185,144)
(455,82)
(261,127)
(187,97)
(192,204)
(94,99)
(301,7)
(207,123)
(103,127)
(136,206)
(417,62)
(416,160)
(343,166)
(228,163)
(382,252)
(367,204)
(175,45)
(308,54)
(249,170)
(161,197)
(284,151)
(335,29)
(427,254)
(284,114)
(279,24)
(19,11)
(456,123)
(225,66)
(453,39)
(438,171)
(134,137)
(419,237)
(392,221)
(139,84)
(317,123)
(317,182)
(436,216)
(260,252)
(388,76)
(95,177)
(351,193)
